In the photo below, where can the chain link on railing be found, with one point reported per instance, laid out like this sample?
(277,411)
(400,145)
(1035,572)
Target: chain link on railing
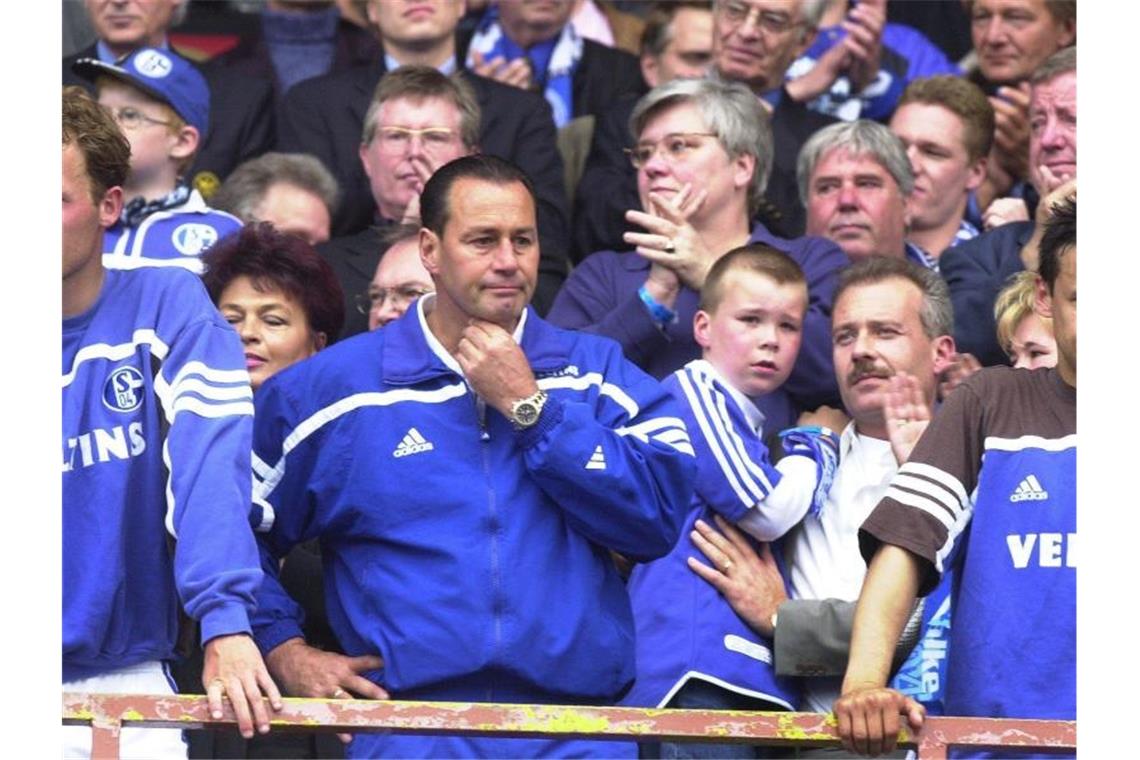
(108,713)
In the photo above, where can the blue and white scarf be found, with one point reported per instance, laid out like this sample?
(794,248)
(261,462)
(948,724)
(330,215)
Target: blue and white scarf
(139,208)
(553,62)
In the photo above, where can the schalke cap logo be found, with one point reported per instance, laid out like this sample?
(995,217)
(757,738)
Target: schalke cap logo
(191,239)
(123,391)
(153,64)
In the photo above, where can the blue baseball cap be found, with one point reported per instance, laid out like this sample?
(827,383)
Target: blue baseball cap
(161,74)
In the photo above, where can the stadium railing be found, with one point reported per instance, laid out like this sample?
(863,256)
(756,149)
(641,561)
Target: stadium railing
(107,714)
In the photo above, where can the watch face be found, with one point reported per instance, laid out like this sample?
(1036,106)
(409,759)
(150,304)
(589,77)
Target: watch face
(526,413)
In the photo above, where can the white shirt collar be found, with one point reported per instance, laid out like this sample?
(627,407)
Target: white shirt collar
(424,306)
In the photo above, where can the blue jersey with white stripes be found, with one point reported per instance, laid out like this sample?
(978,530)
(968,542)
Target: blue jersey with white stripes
(157,421)
(472,557)
(685,628)
(173,237)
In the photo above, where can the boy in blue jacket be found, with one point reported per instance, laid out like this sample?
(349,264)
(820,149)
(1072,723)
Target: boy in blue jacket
(692,649)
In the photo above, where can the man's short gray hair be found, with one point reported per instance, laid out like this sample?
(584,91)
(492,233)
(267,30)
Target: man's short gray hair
(1061,62)
(858,138)
(419,83)
(937,312)
(246,186)
(730,111)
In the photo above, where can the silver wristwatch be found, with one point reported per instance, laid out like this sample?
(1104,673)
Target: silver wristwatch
(525,412)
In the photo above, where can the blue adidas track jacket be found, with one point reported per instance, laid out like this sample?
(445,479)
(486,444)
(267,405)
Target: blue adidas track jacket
(473,558)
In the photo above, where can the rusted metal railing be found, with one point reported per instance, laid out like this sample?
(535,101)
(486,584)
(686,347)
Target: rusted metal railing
(107,714)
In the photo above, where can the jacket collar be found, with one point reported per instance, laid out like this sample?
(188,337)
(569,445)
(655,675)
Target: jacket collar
(411,354)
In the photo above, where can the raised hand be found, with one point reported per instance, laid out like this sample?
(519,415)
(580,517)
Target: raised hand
(672,241)
(906,412)
(516,73)
(864,41)
(495,365)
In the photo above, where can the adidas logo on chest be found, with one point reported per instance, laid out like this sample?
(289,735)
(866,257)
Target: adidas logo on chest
(1029,490)
(413,443)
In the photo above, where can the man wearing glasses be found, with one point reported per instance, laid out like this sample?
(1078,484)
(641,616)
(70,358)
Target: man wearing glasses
(400,279)
(419,120)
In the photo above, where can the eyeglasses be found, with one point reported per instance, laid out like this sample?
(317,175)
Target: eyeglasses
(677,145)
(401,297)
(132,118)
(774,22)
(396,140)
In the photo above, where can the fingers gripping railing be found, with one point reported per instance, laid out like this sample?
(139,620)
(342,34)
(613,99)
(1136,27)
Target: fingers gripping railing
(107,714)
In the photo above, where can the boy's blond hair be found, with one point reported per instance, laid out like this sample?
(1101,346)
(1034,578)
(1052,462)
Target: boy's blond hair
(754,257)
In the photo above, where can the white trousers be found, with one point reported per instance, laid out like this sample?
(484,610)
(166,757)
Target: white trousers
(134,743)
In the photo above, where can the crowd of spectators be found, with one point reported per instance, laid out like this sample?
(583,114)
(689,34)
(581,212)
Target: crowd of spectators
(495,273)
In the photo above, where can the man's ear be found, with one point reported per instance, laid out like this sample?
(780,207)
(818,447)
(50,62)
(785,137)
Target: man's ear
(110,206)
(649,70)
(944,352)
(429,251)
(1043,300)
(320,340)
(977,173)
(702,329)
(185,142)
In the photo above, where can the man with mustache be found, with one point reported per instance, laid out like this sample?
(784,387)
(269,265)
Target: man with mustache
(891,336)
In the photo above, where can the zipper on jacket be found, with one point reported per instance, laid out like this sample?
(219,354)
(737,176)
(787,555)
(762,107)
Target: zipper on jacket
(494,528)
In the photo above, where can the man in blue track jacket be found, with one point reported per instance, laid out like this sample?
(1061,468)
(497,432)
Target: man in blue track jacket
(156,438)
(468,469)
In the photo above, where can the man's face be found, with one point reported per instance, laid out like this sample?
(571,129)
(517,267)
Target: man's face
(689,50)
(152,141)
(486,262)
(1053,131)
(685,155)
(549,15)
(400,279)
(1061,304)
(876,332)
(935,140)
(416,23)
(1013,37)
(398,163)
(295,210)
(855,202)
(753,336)
(131,23)
(84,217)
(754,41)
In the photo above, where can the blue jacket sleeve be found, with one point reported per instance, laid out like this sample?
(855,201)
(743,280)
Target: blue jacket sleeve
(733,469)
(204,389)
(281,509)
(620,466)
